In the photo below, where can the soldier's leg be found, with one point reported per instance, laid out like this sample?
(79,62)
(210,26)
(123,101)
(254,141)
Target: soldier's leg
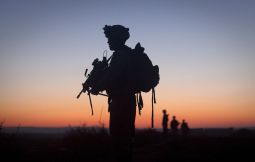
(122,127)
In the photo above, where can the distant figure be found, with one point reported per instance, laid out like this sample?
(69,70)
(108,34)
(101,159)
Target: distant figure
(165,122)
(184,128)
(174,125)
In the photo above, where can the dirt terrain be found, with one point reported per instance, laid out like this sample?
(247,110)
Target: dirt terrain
(88,144)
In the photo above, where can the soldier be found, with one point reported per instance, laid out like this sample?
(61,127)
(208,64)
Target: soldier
(121,96)
(165,122)
(130,71)
(174,125)
(184,128)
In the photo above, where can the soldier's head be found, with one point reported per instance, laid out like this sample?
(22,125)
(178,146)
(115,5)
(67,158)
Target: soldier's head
(164,111)
(117,36)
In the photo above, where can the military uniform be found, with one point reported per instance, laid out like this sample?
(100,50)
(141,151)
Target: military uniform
(122,100)
(165,122)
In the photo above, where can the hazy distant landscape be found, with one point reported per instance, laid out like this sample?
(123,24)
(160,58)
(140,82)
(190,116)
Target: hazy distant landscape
(94,144)
(63,130)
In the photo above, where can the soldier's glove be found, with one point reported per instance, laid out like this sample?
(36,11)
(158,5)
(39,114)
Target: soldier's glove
(94,91)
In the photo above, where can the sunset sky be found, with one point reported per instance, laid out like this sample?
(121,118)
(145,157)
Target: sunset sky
(205,51)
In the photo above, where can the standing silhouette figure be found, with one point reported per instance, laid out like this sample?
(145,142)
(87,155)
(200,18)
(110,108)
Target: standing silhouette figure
(174,125)
(130,71)
(165,122)
(121,96)
(184,128)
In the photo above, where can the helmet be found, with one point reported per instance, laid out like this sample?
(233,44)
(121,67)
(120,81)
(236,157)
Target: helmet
(118,32)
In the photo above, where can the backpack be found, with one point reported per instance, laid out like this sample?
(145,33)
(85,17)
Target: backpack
(144,76)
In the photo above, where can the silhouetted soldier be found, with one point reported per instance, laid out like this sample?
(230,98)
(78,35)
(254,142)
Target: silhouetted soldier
(174,125)
(165,122)
(130,71)
(122,100)
(184,128)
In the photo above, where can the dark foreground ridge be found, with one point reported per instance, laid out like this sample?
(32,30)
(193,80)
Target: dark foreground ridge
(94,144)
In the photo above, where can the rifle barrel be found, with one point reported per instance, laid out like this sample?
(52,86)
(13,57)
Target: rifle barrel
(78,96)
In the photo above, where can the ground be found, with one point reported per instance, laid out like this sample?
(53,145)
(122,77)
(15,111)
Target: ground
(88,144)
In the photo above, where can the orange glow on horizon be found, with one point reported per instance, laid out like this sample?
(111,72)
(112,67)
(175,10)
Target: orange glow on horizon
(59,112)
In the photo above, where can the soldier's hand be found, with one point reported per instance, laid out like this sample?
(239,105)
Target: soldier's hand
(94,91)
(84,87)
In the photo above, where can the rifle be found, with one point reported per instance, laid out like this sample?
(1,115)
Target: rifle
(92,81)
(84,89)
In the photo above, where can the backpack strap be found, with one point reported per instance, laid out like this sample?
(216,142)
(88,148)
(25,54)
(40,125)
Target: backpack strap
(153,101)
(139,101)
